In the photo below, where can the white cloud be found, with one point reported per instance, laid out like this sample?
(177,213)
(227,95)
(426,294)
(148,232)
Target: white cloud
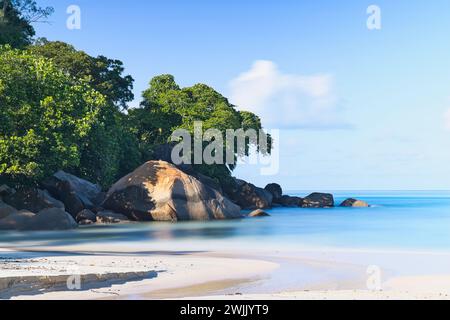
(287,100)
(447,119)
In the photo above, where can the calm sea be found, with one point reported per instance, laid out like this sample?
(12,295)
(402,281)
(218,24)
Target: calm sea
(397,220)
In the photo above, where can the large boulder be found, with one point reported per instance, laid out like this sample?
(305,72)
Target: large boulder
(276,191)
(163,152)
(76,194)
(32,199)
(52,219)
(318,200)
(249,197)
(210,182)
(46,220)
(19,221)
(159,191)
(354,203)
(288,201)
(6,191)
(6,210)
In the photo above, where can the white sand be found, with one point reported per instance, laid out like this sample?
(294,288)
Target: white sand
(138,271)
(165,272)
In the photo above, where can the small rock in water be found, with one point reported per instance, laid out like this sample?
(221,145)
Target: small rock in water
(111,217)
(318,200)
(86,215)
(85,222)
(288,201)
(354,203)
(258,213)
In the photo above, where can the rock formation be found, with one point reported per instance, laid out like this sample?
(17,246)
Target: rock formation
(76,194)
(318,200)
(160,191)
(258,213)
(276,191)
(354,203)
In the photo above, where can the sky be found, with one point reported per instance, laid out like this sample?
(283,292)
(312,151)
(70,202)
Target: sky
(356,109)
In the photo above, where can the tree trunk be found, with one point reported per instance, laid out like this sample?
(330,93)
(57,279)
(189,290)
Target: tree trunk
(5,7)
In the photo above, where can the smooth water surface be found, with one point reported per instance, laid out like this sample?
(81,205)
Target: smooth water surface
(397,220)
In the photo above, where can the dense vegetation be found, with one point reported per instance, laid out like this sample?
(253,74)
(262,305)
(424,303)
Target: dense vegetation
(61,108)
(16,17)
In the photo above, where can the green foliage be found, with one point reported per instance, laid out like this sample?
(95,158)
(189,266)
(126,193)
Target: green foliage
(111,149)
(166,107)
(61,108)
(46,116)
(16,18)
(103,74)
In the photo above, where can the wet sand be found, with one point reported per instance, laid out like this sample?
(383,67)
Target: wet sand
(139,271)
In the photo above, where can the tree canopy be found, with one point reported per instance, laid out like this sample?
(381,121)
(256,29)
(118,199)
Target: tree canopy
(61,108)
(111,150)
(102,73)
(46,116)
(167,107)
(16,19)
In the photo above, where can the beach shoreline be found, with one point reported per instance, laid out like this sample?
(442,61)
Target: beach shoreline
(146,274)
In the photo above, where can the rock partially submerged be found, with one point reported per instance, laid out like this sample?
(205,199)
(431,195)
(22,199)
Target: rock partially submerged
(156,191)
(318,200)
(109,217)
(249,197)
(46,220)
(288,201)
(276,191)
(159,191)
(85,222)
(354,203)
(6,210)
(52,219)
(258,213)
(32,199)
(20,221)
(86,214)
(76,194)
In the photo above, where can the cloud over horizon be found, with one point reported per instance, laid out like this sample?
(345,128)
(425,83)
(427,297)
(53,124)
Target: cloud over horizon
(287,101)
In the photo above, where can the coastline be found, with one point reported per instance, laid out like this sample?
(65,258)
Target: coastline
(306,274)
(157,274)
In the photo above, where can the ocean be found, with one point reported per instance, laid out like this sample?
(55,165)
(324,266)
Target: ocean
(396,220)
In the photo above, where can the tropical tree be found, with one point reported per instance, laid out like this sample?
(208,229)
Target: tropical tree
(46,117)
(167,107)
(112,149)
(16,19)
(103,74)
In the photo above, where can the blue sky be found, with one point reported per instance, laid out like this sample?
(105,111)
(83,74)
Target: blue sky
(357,109)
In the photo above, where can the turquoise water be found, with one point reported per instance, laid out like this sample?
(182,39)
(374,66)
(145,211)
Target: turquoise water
(396,220)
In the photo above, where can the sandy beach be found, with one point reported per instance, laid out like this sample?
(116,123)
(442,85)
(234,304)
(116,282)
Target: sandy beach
(150,275)
(109,271)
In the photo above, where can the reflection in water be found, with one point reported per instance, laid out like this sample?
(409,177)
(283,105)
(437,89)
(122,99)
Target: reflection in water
(396,220)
